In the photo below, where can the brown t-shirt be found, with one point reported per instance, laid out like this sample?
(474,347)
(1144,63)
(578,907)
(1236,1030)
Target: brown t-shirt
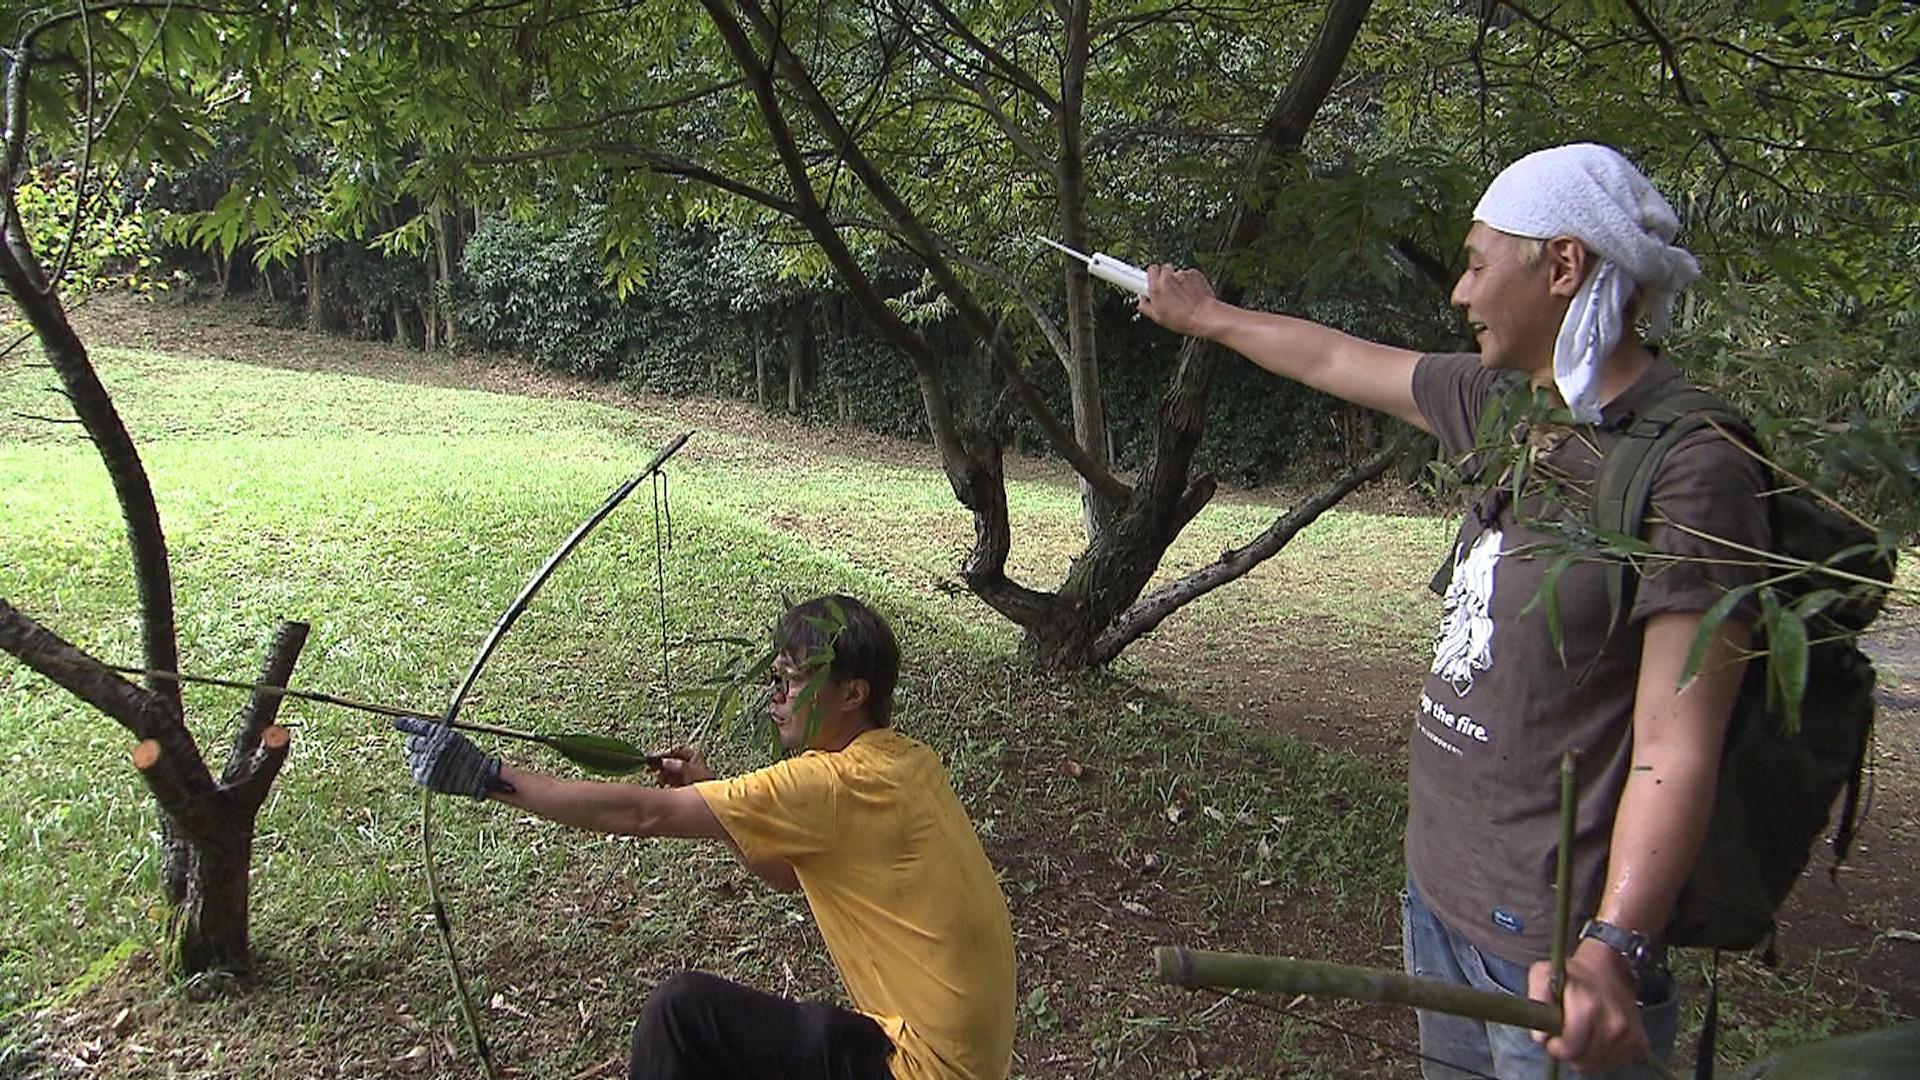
(1505,699)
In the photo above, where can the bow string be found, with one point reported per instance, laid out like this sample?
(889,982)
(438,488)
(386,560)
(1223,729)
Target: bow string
(470,1014)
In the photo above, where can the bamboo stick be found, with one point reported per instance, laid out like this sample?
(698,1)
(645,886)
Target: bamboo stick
(1241,971)
(1563,889)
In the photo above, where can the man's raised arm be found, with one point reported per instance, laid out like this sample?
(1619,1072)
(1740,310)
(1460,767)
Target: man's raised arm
(1363,372)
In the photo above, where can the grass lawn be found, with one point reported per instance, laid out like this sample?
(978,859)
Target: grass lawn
(1125,809)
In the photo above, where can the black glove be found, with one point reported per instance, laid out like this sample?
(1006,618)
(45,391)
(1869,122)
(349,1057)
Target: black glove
(446,761)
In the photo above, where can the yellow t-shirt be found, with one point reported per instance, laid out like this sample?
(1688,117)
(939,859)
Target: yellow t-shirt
(907,903)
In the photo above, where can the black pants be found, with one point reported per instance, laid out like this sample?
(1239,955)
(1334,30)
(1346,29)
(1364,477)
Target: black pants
(699,1027)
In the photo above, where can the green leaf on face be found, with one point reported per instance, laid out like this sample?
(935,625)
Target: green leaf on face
(739,685)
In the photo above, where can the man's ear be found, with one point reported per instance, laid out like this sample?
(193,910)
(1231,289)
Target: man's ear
(854,694)
(1568,263)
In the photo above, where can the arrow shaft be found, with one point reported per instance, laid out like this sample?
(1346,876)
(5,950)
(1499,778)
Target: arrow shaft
(581,749)
(282,691)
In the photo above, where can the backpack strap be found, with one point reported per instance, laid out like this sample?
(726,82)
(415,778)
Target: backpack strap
(1709,1040)
(1624,486)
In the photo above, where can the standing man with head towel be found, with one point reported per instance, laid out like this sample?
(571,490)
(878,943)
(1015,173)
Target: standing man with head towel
(1570,247)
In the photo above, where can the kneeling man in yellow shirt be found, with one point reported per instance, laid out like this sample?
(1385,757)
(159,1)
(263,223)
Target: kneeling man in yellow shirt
(864,821)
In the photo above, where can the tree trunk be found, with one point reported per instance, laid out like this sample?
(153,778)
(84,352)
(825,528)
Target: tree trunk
(1099,609)
(799,357)
(430,318)
(215,821)
(760,374)
(440,287)
(1082,361)
(1165,500)
(1088,617)
(208,929)
(311,267)
(176,858)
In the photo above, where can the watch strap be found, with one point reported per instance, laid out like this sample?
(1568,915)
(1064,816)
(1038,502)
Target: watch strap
(1632,946)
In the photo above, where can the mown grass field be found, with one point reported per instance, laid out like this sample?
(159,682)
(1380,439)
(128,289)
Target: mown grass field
(399,519)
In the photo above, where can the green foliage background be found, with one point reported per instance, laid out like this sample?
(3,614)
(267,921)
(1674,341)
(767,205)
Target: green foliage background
(605,195)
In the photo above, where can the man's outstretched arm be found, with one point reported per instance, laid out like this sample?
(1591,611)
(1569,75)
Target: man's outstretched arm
(620,809)
(1353,369)
(446,761)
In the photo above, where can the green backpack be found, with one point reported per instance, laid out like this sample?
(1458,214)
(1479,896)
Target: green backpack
(1781,770)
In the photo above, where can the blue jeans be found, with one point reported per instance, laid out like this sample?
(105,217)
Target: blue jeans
(1457,1048)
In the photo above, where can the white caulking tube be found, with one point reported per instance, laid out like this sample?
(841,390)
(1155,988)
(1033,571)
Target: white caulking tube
(1107,268)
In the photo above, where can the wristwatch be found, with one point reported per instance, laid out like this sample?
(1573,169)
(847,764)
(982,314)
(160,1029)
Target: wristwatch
(1635,947)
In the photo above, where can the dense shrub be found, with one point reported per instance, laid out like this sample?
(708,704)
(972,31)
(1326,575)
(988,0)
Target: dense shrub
(93,234)
(714,302)
(537,288)
(374,295)
(707,307)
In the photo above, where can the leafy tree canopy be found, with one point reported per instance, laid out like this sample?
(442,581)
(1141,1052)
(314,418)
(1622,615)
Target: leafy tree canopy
(1306,168)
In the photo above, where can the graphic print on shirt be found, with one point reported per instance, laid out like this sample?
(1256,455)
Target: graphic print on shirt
(1465,644)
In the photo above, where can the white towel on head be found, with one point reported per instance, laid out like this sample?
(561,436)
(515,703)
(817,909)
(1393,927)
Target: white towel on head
(1591,193)
(1593,326)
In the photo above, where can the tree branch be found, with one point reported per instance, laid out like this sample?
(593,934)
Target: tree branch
(146,714)
(654,161)
(262,710)
(920,241)
(1151,610)
(23,278)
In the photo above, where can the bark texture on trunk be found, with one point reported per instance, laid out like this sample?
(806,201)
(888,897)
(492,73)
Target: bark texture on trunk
(212,821)
(206,825)
(209,929)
